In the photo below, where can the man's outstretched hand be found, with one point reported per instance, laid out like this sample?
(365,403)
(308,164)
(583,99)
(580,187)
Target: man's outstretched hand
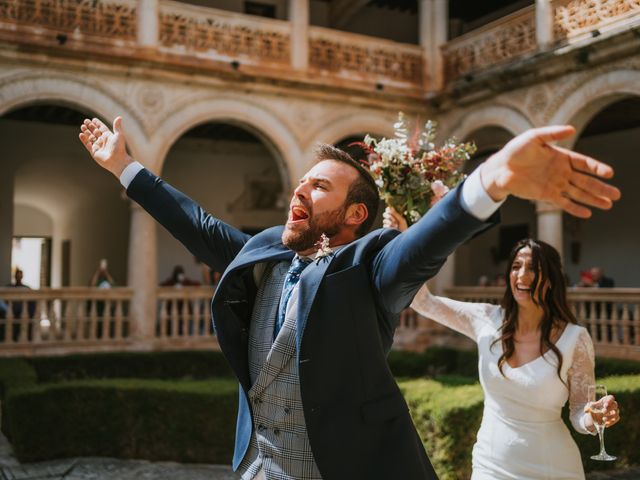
(107,148)
(530,167)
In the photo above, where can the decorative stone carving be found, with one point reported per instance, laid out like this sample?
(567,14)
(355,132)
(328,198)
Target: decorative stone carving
(575,17)
(498,42)
(206,30)
(355,55)
(89,17)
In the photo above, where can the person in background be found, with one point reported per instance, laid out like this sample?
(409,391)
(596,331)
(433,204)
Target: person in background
(102,278)
(600,280)
(179,279)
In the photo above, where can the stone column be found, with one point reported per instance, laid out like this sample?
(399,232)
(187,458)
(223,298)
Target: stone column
(142,275)
(299,18)
(148,23)
(433,32)
(544,24)
(6,222)
(550,225)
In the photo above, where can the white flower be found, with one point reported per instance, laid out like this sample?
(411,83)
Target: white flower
(415,216)
(324,250)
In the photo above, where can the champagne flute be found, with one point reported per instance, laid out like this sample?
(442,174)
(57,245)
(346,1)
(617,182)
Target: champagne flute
(597,411)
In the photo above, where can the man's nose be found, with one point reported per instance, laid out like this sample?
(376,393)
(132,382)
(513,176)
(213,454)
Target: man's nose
(301,190)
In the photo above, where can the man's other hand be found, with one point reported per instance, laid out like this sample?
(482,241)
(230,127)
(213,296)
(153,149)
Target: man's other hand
(530,167)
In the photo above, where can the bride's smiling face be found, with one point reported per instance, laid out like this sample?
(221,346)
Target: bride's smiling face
(522,277)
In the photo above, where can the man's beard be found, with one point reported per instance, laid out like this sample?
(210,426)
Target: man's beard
(328,223)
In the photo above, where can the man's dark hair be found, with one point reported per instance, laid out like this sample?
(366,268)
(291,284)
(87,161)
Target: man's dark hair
(361,190)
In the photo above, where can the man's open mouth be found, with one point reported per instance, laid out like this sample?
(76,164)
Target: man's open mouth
(298,214)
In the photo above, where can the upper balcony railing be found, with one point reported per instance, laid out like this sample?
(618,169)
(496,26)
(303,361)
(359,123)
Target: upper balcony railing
(495,43)
(112,21)
(574,19)
(352,57)
(514,36)
(209,39)
(213,34)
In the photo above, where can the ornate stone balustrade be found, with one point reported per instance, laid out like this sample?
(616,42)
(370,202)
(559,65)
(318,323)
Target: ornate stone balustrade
(56,319)
(220,35)
(349,56)
(580,18)
(497,42)
(184,315)
(111,19)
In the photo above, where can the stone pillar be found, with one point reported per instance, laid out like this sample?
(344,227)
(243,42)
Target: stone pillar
(299,18)
(142,275)
(544,24)
(550,225)
(6,222)
(148,23)
(433,32)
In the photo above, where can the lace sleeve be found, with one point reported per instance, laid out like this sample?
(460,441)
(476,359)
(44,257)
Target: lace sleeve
(580,376)
(464,317)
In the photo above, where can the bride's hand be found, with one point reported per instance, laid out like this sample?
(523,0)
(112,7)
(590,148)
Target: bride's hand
(612,415)
(392,219)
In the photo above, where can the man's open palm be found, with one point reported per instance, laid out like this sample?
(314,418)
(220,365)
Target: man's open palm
(107,148)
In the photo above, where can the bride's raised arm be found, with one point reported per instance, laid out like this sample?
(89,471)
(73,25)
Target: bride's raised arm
(464,317)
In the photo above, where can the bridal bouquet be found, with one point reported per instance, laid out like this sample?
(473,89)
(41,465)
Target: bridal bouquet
(411,173)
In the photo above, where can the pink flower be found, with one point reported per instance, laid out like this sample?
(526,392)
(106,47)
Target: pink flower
(439,190)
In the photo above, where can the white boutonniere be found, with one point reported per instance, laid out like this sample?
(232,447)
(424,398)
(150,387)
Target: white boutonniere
(324,250)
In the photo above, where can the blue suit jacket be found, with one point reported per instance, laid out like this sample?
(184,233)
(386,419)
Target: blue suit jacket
(357,420)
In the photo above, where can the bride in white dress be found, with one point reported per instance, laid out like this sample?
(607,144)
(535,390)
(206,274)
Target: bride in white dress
(533,357)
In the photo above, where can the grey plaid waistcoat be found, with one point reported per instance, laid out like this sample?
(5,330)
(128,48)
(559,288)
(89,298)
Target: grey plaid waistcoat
(279,444)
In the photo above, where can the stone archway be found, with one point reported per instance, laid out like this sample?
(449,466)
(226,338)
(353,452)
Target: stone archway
(55,174)
(268,127)
(609,127)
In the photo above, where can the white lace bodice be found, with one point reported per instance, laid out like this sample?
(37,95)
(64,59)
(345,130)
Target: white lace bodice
(533,390)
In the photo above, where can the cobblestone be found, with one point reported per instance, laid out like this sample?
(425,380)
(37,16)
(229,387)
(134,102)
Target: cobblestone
(89,468)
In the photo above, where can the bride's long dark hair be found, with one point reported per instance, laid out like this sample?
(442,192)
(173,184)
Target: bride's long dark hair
(551,295)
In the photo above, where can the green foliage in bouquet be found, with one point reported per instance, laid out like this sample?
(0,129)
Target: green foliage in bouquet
(411,173)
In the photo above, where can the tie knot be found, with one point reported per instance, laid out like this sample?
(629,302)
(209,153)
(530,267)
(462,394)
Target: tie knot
(298,265)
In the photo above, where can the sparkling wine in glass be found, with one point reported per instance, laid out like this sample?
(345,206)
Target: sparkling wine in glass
(597,411)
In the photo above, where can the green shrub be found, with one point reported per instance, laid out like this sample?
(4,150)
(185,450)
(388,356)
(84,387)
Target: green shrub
(447,419)
(607,367)
(434,361)
(193,364)
(448,413)
(449,361)
(185,421)
(15,373)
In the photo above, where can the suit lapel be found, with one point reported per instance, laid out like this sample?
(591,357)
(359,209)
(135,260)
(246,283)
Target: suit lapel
(308,287)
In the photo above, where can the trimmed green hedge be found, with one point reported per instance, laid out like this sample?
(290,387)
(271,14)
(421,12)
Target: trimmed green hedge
(436,361)
(189,364)
(15,373)
(186,421)
(448,417)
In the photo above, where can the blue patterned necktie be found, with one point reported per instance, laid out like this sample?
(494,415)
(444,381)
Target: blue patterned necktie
(293,275)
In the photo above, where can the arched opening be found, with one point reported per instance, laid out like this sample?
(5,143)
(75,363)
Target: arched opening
(609,240)
(234,175)
(49,175)
(482,260)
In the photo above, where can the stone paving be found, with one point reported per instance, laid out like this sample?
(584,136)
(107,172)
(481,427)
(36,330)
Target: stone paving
(90,468)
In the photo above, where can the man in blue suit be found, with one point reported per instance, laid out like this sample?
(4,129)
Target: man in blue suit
(306,325)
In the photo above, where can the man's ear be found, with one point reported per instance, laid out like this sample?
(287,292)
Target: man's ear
(356,214)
